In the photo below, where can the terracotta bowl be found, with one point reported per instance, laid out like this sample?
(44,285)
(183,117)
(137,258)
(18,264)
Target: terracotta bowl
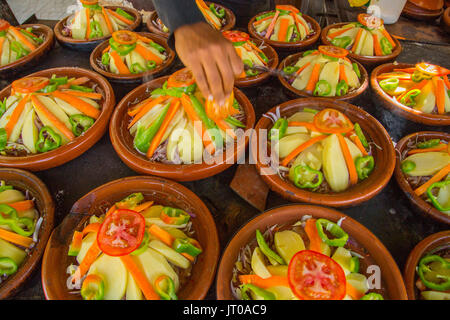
(363,191)
(292,60)
(272,55)
(425,246)
(395,106)
(420,13)
(428,4)
(445,21)
(152,24)
(390,273)
(424,206)
(97,201)
(288,46)
(96,57)
(35,56)
(122,140)
(24,180)
(367,61)
(79,145)
(89,45)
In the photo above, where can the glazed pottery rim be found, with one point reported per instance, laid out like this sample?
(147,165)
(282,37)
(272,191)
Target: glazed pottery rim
(302,93)
(73,149)
(272,212)
(178,172)
(14,282)
(397,107)
(96,54)
(414,257)
(211,256)
(373,185)
(417,201)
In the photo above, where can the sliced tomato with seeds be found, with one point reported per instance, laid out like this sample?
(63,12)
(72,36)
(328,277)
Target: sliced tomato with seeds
(30,84)
(370,21)
(235,36)
(181,78)
(4,24)
(125,37)
(333,51)
(432,69)
(332,121)
(121,233)
(315,276)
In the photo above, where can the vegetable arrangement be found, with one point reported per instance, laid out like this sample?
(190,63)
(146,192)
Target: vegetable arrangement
(176,124)
(250,54)
(137,250)
(285,24)
(42,114)
(424,88)
(18,228)
(325,72)
(131,53)
(16,43)
(426,166)
(433,273)
(309,260)
(321,151)
(367,37)
(95,21)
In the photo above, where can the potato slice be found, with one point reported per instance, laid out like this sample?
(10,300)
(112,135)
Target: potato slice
(334,165)
(170,254)
(88,240)
(79,25)
(352,77)
(361,41)
(153,212)
(15,133)
(114,275)
(358,281)
(330,73)
(343,257)
(30,133)
(302,79)
(4,58)
(258,265)
(11,251)
(133,292)
(367,48)
(279,270)
(288,243)
(288,143)
(282,293)
(312,157)
(435,295)
(426,101)
(302,116)
(11,195)
(428,163)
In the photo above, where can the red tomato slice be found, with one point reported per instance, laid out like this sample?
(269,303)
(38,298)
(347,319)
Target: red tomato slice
(333,51)
(4,24)
(181,78)
(314,276)
(125,37)
(121,233)
(235,36)
(30,84)
(332,121)
(370,21)
(432,69)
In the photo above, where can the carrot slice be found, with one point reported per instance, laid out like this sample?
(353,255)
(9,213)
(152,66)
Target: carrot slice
(282,32)
(358,37)
(203,7)
(348,160)
(388,36)
(300,148)
(308,125)
(118,16)
(158,136)
(441,147)
(108,22)
(147,54)
(106,49)
(22,205)
(88,260)
(359,144)
(75,82)
(437,177)
(15,238)
(377,46)
(16,115)
(338,33)
(315,242)
(146,108)
(353,292)
(92,227)
(273,281)
(447,82)
(88,24)
(314,78)
(261,20)
(419,86)
(2,40)
(407,70)
(298,20)
(272,25)
(111,210)
(123,69)
(140,278)
(439,91)
(143,206)
(39,106)
(303,68)
(222,124)
(79,104)
(90,95)
(22,38)
(342,74)
(162,235)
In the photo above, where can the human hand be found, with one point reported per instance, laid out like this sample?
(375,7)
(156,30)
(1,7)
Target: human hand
(211,58)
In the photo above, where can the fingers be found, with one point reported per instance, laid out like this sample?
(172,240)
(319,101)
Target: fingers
(200,76)
(214,79)
(227,73)
(236,62)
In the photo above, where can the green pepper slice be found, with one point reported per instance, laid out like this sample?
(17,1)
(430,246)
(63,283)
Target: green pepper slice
(251,72)
(305,177)
(364,166)
(335,230)
(58,80)
(288,31)
(265,15)
(428,144)
(408,166)
(425,268)
(80,123)
(144,136)
(17,47)
(260,292)
(93,288)
(290,69)
(307,53)
(266,249)
(410,96)
(278,130)
(36,39)
(342,42)
(136,68)
(130,201)
(218,13)
(48,140)
(7,266)
(165,288)
(186,246)
(96,30)
(150,65)
(356,69)
(3,139)
(49,88)
(264,57)
(433,198)
(27,223)
(372,296)
(124,14)
(122,49)
(161,49)
(81,88)
(354,265)
(235,122)
(5,187)
(143,246)
(106,59)
(2,106)
(3,33)
(174,216)
(314,111)
(389,84)
(360,135)
(386,46)
(7,213)
(323,88)
(342,88)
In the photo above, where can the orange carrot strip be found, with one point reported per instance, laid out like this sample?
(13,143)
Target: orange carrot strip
(377,46)
(147,54)
(106,49)
(315,242)
(74,82)
(399,37)
(299,21)
(140,278)
(143,206)
(88,24)
(173,108)
(15,238)
(118,16)
(342,74)
(300,148)
(437,177)
(282,32)
(144,39)
(303,68)
(90,95)
(419,86)
(146,108)
(308,125)
(261,20)
(272,25)
(348,160)
(88,260)
(359,144)
(22,38)
(439,91)
(22,205)
(338,33)
(358,37)
(108,22)
(188,256)
(407,70)
(353,292)
(79,104)
(388,36)
(446,81)
(123,69)
(441,147)
(135,110)
(92,227)
(222,124)
(203,7)
(110,210)
(16,115)
(2,40)
(314,78)
(273,281)
(161,234)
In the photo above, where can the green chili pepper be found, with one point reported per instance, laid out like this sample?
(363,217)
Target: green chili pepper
(92,6)
(433,198)
(2,106)
(342,88)
(389,84)
(238,43)
(96,30)
(248,62)
(48,140)
(174,216)
(335,230)
(356,69)
(323,88)
(35,39)
(145,136)
(278,130)
(330,57)
(236,104)
(143,246)
(408,166)
(5,187)
(3,138)
(289,31)
(364,166)
(297,33)
(49,88)
(314,111)
(307,53)
(235,122)
(81,88)
(124,14)
(342,42)
(290,69)
(219,14)
(425,267)
(106,59)
(265,15)
(266,249)
(251,72)
(428,144)
(3,33)
(80,123)
(372,296)
(186,246)
(130,201)
(7,213)
(7,266)
(58,80)
(386,46)
(174,92)
(161,49)
(25,231)
(122,49)
(305,177)
(259,292)
(410,96)
(93,288)
(17,47)
(264,57)
(136,68)
(151,65)
(284,12)
(360,135)
(417,76)
(354,265)
(165,288)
